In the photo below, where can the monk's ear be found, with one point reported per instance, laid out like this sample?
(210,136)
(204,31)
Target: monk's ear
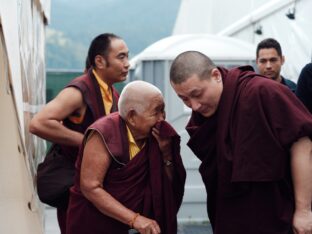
(283,59)
(100,61)
(131,117)
(215,74)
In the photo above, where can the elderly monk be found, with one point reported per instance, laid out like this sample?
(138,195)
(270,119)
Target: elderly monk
(129,169)
(252,136)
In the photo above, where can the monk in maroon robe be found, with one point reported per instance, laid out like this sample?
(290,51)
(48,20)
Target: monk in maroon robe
(85,99)
(252,136)
(115,189)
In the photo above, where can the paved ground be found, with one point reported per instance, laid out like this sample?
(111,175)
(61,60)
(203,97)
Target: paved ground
(51,226)
(194,229)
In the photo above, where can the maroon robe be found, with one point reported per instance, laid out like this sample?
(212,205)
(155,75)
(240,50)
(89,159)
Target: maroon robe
(89,87)
(245,153)
(140,184)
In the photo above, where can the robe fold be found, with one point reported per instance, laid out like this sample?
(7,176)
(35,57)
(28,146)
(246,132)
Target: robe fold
(245,152)
(139,184)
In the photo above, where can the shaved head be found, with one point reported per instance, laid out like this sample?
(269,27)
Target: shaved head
(136,95)
(190,63)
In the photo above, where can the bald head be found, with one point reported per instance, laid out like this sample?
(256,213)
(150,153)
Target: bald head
(189,63)
(137,96)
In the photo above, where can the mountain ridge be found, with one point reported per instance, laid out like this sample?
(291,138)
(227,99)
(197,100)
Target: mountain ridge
(73,26)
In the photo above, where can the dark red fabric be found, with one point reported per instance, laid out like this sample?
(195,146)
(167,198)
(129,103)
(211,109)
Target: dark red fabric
(140,184)
(90,90)
(89,87)
(244,150)
(61,219)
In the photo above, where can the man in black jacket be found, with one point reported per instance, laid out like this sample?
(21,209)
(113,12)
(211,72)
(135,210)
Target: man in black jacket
(270,60)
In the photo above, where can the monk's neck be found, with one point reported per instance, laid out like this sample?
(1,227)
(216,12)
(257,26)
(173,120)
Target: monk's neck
(101,74)
(279,79)
(140,142)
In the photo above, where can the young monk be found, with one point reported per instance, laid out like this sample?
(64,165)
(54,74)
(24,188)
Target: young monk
(252,136)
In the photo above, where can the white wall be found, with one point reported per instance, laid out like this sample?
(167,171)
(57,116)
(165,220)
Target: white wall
(22,91)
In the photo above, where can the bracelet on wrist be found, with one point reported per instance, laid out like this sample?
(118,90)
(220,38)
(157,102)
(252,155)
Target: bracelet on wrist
(131,222)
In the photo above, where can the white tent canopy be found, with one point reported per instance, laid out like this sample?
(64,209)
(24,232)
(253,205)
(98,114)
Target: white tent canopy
(288,21)
(218,47)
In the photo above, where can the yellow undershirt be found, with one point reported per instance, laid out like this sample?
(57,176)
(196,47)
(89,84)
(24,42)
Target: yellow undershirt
(134,149)
(106,93)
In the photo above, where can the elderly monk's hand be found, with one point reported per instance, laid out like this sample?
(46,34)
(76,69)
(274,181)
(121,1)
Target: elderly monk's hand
(164,143)
(302,222)
(146,226)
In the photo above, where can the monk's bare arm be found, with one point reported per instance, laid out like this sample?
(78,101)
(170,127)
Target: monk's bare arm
(95,163)
(301,165)
(47,123)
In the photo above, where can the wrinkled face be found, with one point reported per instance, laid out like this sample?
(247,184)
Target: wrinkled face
(202,96)
(117,64)
(145,121)
(269,63)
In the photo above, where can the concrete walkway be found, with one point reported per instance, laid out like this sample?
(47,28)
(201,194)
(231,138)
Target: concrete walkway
(51,226)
